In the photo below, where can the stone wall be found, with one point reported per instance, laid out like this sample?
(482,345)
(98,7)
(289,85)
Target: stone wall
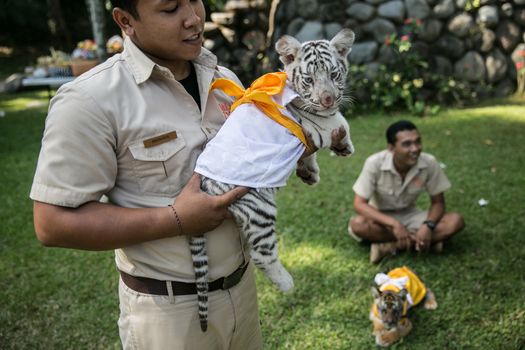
(238,37)
(477,41)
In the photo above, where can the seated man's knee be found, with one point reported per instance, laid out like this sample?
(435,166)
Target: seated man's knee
(458,222)
(359,224)
(454,223)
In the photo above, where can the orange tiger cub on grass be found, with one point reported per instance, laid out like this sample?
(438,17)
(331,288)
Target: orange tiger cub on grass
(394,294)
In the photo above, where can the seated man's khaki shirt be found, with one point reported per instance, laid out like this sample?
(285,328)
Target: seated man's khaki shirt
(381,184)
(129,131)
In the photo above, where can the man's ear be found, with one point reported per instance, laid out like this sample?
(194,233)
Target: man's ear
(124,20)
(390,147)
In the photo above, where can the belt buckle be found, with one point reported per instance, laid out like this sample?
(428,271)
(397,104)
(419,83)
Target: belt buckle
(233,279)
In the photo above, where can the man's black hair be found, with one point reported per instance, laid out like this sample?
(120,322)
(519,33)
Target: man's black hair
(396,127)
(127,5)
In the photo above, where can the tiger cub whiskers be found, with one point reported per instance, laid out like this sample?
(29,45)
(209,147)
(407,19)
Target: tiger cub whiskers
(316,73)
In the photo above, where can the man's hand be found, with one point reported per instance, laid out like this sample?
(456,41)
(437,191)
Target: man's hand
(200,212)
(339,147)
(423,238)
(402,235)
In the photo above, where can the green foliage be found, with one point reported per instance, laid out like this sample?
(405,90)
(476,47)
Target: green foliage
(216,5)
(406,81)
(520,73)
(23,22)
(29,23)
(67,299)
(471,5)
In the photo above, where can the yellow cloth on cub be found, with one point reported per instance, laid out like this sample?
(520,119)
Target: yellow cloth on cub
(259,94)
(397,279)
(414,285)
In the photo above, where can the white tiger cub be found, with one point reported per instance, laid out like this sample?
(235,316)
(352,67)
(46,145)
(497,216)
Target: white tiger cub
(253,150)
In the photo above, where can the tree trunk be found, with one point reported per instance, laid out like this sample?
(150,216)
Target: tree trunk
(57,23)
(96,14)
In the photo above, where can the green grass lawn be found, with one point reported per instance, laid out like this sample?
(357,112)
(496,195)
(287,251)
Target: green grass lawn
(67,299)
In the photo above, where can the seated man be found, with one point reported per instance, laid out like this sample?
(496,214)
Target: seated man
(386,193)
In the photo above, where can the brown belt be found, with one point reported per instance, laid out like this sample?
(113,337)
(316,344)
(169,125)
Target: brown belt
(156,287)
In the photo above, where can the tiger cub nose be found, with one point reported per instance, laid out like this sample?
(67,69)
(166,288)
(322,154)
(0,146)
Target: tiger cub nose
(327,100)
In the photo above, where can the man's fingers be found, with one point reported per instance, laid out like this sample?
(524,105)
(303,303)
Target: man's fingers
(233,195)
(195,182)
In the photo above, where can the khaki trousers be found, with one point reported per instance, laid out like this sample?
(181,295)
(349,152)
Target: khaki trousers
(153,322)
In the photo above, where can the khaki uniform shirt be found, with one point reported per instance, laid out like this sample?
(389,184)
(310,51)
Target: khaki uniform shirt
(128,130)
(380,182)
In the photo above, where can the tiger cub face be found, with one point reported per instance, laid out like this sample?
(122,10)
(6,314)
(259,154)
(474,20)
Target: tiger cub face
(317,69)
(390,306)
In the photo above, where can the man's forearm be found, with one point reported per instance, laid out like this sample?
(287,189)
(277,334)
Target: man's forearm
(100,226)
(436,211)
(437,208)
(371,213)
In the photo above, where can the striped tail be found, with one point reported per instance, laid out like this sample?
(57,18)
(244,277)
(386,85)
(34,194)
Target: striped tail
(200,265)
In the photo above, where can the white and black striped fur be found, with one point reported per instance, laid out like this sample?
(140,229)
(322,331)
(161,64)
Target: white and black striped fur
(317,71)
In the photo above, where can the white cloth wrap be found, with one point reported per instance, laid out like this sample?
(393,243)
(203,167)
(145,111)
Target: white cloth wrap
(251,149)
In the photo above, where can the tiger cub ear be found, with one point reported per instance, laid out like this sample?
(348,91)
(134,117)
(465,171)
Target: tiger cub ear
(343,41)
(287,48)
(376,293)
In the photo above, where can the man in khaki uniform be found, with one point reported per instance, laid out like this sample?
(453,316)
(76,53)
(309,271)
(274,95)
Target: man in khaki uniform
(131,130)
(386,193)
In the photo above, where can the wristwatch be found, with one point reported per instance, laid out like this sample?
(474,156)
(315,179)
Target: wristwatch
(431,224)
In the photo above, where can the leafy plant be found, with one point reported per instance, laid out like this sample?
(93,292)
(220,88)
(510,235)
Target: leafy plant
(406,81)
(520,73)
(471,5)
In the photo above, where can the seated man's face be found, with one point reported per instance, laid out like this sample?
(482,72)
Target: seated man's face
(407,148)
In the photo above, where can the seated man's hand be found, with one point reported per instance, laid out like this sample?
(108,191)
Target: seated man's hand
(423,238)
(403,236)
(200,212)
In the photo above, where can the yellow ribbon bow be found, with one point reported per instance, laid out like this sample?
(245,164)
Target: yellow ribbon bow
(259,94)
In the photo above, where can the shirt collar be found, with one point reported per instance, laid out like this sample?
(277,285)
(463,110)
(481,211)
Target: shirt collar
(388,163)
(142,66)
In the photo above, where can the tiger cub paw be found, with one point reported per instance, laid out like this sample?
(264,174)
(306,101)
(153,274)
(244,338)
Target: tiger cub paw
(341,143)
(343,149)
(386,338)
(309,174)
(430,301)
(280,277)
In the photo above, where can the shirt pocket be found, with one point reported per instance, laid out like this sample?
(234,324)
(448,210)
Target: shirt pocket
(385,187)
(153,166)
(385,197)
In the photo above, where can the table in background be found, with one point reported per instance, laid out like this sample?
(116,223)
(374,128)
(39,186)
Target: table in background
(48,82)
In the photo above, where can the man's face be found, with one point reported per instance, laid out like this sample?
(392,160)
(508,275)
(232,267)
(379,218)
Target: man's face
(169,31)
(407,148)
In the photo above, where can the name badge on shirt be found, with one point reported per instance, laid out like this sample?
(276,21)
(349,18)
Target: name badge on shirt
(158,140)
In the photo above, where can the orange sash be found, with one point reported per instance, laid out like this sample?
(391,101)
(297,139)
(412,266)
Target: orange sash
(259,94)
